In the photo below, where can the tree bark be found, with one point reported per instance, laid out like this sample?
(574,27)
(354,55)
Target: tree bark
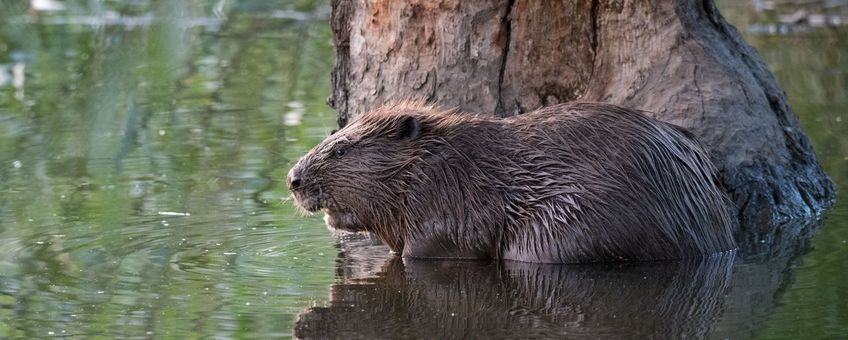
(678,60)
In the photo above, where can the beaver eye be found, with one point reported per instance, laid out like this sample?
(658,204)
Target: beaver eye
(340,151)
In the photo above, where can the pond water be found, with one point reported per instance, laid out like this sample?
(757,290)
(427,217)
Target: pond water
(143,148)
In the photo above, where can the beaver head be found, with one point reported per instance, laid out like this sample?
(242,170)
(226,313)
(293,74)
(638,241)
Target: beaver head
(355,176)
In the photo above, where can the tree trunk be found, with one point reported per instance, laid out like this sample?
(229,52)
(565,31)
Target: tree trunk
(676,59)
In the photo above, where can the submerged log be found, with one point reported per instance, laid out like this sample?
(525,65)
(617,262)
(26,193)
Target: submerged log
(678,60)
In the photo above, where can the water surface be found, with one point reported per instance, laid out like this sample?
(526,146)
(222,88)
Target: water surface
(143,146)
(141,150)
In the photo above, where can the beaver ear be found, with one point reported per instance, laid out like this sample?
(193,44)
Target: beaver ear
(409,128)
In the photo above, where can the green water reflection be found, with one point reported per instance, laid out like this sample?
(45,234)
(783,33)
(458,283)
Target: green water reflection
(109,125)
(117,118)
(813,69)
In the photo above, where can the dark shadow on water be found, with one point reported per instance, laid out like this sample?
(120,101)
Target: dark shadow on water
(380,296)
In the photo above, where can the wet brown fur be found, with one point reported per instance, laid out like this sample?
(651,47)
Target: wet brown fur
(577,182)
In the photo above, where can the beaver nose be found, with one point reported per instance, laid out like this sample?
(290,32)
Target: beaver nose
(294,181)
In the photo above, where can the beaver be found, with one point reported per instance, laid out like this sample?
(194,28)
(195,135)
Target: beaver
(570,183)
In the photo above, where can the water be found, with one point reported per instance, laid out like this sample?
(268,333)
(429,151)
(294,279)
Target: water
(116,126)
(812,66)
(143,147)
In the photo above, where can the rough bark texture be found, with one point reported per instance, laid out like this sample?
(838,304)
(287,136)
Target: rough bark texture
(676,59)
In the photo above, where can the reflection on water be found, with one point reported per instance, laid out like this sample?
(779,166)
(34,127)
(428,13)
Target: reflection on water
(381,296)
(140,167)
(812,66)
(142,150)
(460,300)
(792,16)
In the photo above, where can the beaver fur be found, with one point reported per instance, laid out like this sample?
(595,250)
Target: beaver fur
(577,182)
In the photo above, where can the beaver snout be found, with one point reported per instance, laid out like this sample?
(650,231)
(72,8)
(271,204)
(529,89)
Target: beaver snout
(294,182)
(305,194)
(294,179)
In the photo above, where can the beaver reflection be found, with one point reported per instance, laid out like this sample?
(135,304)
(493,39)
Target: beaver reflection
(451,299)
